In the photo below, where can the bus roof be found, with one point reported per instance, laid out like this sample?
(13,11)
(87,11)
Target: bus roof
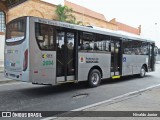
(121,34)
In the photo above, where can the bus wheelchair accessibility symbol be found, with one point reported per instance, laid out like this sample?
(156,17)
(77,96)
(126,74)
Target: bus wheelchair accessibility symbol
(124,59)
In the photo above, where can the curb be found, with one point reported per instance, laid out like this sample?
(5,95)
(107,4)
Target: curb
(130,94)
(109,101)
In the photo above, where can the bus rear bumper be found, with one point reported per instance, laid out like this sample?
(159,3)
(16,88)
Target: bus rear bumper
(20,76)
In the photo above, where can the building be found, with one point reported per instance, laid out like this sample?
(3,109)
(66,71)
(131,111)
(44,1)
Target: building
(11,9)
(45,9)
(2,29)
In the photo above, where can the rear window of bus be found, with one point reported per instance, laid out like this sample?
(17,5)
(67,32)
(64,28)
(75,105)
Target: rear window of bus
(16,30)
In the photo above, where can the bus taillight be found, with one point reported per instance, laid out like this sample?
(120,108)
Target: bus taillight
(25,61)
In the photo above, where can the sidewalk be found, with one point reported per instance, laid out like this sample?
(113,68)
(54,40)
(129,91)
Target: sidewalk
(1,66)
(148,100)
(1,69)
(4,80)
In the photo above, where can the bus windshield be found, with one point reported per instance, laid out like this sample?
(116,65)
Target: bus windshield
(16,31)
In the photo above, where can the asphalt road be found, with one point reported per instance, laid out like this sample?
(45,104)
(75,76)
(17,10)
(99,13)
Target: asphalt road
(28,97)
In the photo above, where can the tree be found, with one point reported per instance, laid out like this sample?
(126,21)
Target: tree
(73,21)
(64,14)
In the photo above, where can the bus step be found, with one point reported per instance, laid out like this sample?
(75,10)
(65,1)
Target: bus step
(116,77)
(68,81)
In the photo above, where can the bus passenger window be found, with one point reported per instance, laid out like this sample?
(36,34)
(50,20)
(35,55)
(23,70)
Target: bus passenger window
(45,36)
(86,41)
(107,45)
(101,43)
(40,38)
(127,47)
(86,46)
(96,46)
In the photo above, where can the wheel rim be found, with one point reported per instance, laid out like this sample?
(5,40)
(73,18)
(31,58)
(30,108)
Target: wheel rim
(95,78)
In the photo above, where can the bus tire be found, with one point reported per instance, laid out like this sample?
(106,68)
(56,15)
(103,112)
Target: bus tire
(142,72)
(94,78)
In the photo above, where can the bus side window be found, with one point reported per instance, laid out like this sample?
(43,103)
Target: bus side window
(112,47)
(80,44)
(45,43)
(86,41)
(106,45)
(127,47)
(40,38)
(45,36)
(101,43)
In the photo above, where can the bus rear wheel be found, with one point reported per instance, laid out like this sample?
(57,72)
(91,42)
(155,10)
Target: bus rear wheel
(142,72)
(94,78)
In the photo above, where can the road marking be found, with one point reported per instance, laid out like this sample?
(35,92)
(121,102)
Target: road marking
(109,100)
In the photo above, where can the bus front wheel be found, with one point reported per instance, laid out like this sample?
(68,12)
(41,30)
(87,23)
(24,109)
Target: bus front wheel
(142,72)
(94,78)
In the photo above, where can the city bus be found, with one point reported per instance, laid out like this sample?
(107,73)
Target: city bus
(44,51)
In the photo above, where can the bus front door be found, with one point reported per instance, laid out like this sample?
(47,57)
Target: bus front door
(65,63)
(151,60)
(116,59)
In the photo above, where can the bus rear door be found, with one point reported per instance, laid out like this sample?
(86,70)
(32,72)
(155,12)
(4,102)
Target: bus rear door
(151,60)
(116,59)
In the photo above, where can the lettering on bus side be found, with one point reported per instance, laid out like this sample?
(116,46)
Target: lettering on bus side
(88,60)
(92,60)
(12,51)
(56,23)
(48,62)
(47,56)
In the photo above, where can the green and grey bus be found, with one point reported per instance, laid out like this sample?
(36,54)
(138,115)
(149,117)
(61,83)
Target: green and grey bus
(44,51)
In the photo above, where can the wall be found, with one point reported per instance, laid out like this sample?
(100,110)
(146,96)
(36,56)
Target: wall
(32,8)
(127,28)
(90,17)
(2,37)
(46,10)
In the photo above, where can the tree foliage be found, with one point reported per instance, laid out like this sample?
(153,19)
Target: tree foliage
(64,14)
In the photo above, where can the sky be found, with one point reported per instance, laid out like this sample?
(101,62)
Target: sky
(131,12)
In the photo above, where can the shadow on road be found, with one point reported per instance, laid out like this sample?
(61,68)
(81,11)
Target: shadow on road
(51,90)
(123,79)
(68,87)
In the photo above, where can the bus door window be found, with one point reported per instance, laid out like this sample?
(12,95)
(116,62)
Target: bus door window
(117,46)
(60,54)
(70,53)
(115,56)
(151,57)
(112,56)
(150,50)
(65,54)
